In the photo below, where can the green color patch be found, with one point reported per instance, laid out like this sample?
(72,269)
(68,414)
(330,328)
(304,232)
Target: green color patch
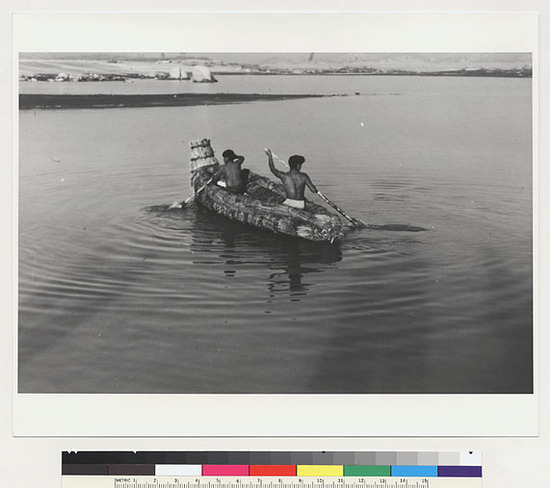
(367,470)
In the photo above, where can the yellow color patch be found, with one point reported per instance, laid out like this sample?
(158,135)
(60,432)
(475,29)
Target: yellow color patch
(319,470)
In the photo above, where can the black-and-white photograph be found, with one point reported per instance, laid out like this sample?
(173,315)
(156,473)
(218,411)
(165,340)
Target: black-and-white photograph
(275,223)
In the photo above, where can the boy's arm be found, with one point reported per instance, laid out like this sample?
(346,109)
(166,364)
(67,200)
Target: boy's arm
(238,159)
(272,167)
(310,185)
(218,174)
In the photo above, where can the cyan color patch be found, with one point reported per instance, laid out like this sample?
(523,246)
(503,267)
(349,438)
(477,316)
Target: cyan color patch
(427,471)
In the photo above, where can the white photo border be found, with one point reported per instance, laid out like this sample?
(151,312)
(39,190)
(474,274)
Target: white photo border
(276,415)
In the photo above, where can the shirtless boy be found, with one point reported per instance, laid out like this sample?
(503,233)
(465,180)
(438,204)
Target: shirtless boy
(231,172)
(294,181)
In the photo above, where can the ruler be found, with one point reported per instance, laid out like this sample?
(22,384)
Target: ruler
(265,482)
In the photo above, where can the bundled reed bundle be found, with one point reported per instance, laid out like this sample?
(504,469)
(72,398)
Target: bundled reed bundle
(202,155)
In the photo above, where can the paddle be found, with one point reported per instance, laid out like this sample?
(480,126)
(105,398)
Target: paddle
(355,222)
(279,160)
(188,199)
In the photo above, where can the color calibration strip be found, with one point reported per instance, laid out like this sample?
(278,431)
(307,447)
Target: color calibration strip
(271,470)
(281,464)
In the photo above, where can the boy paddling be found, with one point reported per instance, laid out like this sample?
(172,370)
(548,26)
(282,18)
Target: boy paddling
(294,181)
(231,172)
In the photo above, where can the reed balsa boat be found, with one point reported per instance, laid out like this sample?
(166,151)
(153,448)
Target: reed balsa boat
(262,204)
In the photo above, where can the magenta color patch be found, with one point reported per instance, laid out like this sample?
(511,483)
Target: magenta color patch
(225,469)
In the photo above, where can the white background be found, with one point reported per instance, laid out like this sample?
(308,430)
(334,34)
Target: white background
(501,455)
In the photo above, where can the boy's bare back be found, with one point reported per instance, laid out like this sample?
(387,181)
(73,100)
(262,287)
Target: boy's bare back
(232,173)
(295,183)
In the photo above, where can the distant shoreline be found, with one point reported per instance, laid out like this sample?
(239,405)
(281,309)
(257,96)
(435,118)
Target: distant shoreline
(478,73)
(49,101)
(162,76)
(122,66)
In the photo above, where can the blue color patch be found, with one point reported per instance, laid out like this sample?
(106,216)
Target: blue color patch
(424,471)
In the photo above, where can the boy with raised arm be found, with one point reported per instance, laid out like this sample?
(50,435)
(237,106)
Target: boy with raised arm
(294,181)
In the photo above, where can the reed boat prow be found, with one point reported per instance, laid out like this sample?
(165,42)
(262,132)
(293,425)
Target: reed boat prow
(262,204)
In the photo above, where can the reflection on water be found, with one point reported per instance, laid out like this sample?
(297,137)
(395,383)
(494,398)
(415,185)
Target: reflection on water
(117,297)
(289,279)
(289,259)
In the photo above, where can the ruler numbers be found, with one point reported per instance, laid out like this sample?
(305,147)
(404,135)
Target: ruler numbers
(270,482)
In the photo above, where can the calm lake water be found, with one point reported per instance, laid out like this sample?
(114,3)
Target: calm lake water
(117,297)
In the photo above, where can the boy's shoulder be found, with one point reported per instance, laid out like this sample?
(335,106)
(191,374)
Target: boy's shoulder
(298,177)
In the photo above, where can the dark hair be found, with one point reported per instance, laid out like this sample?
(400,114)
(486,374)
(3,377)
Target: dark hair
(228,153)
(294,161)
